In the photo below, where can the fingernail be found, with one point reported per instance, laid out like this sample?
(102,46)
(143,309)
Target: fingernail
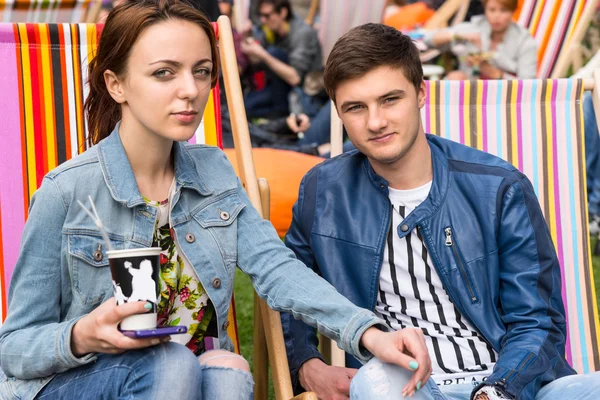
(418,385)
(413,365)
(155,341)
(148,306)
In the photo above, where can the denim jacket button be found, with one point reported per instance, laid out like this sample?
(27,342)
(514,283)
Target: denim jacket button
(404,228)
(216,283)
(190,238)
(226,325)
(224,215)
(98,255)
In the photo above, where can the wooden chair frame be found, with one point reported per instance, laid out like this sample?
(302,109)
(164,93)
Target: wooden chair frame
(268,333)
(571,52)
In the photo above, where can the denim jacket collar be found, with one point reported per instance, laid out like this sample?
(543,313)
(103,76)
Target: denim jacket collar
(121,181)
(437,193)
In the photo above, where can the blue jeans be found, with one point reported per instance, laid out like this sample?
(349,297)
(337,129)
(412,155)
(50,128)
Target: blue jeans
(320,127)
(378,381)
(272,100)
(592,154)
(167,371)
(320,130)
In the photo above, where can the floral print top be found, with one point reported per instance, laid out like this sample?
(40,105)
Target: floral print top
(182,300)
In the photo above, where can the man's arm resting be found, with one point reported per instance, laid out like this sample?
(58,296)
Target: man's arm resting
(283,70)
(530,296)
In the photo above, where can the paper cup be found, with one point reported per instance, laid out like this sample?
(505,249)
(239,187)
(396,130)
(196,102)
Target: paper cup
(135,275)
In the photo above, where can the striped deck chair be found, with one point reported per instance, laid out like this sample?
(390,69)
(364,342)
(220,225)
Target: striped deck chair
(241,13)
(537,125)
(44,68)
(49,10)
(558,27)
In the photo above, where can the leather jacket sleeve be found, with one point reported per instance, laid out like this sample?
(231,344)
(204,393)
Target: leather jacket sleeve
(301,340)
(532,351)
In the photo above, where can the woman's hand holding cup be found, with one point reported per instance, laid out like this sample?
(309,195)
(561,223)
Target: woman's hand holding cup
(97,332)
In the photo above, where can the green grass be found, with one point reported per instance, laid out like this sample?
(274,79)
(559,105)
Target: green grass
(244,308)
(244,305)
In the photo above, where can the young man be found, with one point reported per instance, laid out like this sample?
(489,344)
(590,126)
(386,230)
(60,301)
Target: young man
(287,56)
(432,235)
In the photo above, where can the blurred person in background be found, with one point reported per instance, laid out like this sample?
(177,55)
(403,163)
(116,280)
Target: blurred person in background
(286,49)
(490,46)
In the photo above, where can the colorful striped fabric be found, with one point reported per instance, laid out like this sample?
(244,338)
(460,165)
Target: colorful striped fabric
(551,23)
(336,17)
(537,125)
(44,68)
(44,10)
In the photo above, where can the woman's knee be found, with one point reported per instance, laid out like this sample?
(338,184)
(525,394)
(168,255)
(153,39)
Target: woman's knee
(179,355)
(226,376)
(225,359)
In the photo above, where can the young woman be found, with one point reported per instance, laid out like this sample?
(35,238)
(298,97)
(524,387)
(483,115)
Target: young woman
(492,46)
(149,83)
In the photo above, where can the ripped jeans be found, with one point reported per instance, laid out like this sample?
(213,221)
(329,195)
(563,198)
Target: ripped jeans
(379,381)
(166,371)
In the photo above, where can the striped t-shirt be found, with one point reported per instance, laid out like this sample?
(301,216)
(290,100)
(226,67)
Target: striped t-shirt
(411,294)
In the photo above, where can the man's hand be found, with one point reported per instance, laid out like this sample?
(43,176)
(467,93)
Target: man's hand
(405,348)
(489,71)
(473,60)
(328,383)
(298,123)
(255,52)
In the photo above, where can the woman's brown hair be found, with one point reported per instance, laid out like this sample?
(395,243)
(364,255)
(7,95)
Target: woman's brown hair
(123,27)
(508,4)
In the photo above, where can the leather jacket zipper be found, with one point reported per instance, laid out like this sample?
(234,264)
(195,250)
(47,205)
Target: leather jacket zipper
(521,367)
(451,243)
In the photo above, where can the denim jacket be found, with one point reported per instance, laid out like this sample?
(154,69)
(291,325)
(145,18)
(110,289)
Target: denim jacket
(57,279)
(487,238)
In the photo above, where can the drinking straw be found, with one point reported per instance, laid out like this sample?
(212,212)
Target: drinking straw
(96,218)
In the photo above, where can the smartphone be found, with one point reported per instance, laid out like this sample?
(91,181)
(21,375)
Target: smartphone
(156,332)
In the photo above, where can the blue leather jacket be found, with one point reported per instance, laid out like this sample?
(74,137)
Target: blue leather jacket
(500,270)
(58,279)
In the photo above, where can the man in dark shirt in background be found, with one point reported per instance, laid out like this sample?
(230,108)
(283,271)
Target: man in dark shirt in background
(287,49)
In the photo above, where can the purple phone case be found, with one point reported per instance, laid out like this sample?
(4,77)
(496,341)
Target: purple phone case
(157,332)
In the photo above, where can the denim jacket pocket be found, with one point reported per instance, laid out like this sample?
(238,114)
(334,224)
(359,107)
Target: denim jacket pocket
(222,212)
(220,219)
(90,272)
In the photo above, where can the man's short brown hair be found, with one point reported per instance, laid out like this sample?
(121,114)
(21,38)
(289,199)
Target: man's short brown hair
(367,47)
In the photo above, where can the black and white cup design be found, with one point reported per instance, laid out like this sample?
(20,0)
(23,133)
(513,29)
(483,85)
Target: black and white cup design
(135,276)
